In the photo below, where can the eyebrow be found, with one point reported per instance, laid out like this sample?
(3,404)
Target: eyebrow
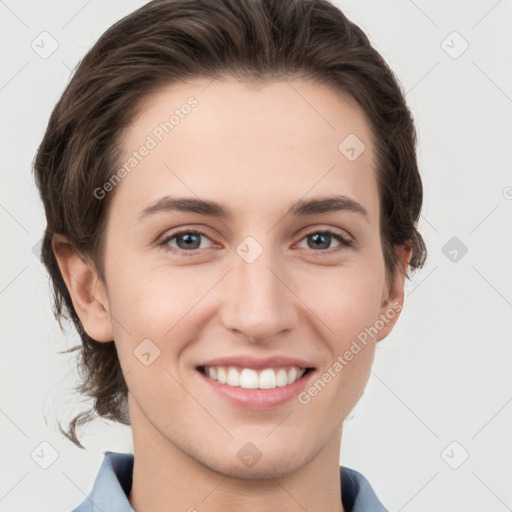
(300,208)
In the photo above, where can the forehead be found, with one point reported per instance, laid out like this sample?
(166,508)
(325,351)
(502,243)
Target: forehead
(243,141)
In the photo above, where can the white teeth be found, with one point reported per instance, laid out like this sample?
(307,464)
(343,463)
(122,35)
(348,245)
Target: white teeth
(267,379)
(281,378)
(292,375)
(221,375)
(233,377)
(248,378)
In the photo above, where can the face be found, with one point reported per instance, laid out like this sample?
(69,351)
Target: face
(263,289)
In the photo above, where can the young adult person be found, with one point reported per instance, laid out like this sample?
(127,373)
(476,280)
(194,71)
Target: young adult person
(232,196)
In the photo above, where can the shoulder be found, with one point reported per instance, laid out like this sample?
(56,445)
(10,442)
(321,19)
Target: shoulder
(112,485)
(357,493)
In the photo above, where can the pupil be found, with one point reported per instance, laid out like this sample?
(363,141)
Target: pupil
(317,236)
(189,239)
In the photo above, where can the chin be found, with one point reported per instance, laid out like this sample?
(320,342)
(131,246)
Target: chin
(266,468)
(256,460)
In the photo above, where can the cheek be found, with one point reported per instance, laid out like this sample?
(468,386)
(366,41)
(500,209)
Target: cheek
(150,301)
(347,307)
(152,311)
(345,301)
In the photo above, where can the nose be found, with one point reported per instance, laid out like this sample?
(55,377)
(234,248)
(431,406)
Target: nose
(258,299)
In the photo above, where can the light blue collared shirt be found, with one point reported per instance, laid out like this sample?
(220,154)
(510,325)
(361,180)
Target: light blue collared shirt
(114,482)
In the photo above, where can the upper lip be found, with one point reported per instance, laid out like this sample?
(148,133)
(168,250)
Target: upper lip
(246,361)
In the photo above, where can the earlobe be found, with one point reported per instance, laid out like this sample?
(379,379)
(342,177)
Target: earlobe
(87,292)
(394,299)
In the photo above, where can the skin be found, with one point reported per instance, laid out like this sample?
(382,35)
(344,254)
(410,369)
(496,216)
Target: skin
(255,149)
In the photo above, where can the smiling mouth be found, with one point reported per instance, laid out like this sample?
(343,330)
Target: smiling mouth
(249,378)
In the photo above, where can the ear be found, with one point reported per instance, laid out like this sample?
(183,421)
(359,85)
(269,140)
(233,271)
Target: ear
(87,291)
(393,298)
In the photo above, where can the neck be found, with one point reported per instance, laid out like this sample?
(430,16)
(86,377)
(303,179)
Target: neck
(166,479)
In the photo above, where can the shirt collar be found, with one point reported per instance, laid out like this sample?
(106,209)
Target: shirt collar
(114,481)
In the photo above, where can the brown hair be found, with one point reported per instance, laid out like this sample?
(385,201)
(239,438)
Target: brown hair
(168,41)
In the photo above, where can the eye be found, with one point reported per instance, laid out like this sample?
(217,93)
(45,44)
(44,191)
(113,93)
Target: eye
(190,240)
(186,241)
(322,239)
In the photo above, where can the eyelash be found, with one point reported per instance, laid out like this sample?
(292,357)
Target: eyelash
(344,241)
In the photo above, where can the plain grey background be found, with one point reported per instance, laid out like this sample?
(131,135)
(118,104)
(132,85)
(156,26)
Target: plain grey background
(432,430)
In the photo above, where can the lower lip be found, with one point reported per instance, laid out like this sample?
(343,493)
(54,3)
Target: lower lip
(258,399)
